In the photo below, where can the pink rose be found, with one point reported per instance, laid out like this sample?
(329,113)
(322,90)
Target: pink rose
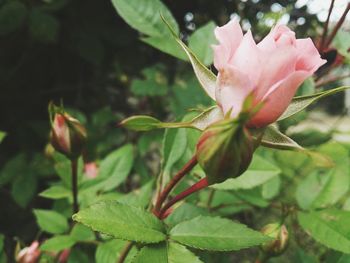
(271,70)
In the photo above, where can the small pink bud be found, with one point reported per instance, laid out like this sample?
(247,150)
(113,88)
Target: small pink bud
(68,135)
(29,254)
(280,236)
(91,170)
(63,258)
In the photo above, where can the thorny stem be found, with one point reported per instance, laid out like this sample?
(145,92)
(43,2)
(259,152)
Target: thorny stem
(164,212)
(338,25)
(325,28)
(164,194)
(125,252)
(74,166)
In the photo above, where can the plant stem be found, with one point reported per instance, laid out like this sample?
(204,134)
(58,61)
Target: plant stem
(164,194)
(125,252)
(338,25)
(330,80)
(210,198)
(74,166)
(325,28)
(164,212)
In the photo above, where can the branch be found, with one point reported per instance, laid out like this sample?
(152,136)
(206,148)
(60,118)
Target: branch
(338,25)
(325,28)
(164,194)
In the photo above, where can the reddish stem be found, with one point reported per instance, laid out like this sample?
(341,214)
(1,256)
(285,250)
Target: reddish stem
(330,80)
(164,194)
(325,28)
(338,25)
(165,211)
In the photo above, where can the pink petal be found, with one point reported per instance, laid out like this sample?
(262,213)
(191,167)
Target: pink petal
(278,99)
(248,58)
(279,35)
(229,37)
(233,88)
(309,59)
(276,67)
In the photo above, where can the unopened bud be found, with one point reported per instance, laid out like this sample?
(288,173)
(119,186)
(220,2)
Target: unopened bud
(279,244)
(29,254)
(68,135)
(225,150)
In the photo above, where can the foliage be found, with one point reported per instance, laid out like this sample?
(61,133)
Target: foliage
(124,56)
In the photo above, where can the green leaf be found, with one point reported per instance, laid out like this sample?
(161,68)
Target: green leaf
(114,169)
(307,88)
(109,252)
(167,45)
(200,122)
(154,83)
(12,17)
(13,168)
(176,149)
(43,27)
(144,16)
(329,227)
(139,197)
(24,188)
(57,243)
(2,136)
(325,188)
(51,221)
(141,123)
(342,42)
(151,254)
(165,252)
(185,212)
(271,188)
(178,254)
(82,233)
(56,192)
(300,103)
(122,221)
(216,234)
(259,172)
(273,138)
(206,78)
(201,41)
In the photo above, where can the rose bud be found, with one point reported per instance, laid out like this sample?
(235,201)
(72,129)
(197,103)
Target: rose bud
(279,244)
(29,254)
(68,135)
(91,170)
(273,69)
(224,150)
(64,255)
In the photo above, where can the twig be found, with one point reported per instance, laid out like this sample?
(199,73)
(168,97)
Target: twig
(125,252)
(330,80)
(338,25)
(194,188)
(74,166)
(325,28)
(164,194)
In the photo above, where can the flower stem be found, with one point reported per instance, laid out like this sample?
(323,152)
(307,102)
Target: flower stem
(164,212)
(164,194)
(337,26)
(325,28)
(125,252)
(74,166)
